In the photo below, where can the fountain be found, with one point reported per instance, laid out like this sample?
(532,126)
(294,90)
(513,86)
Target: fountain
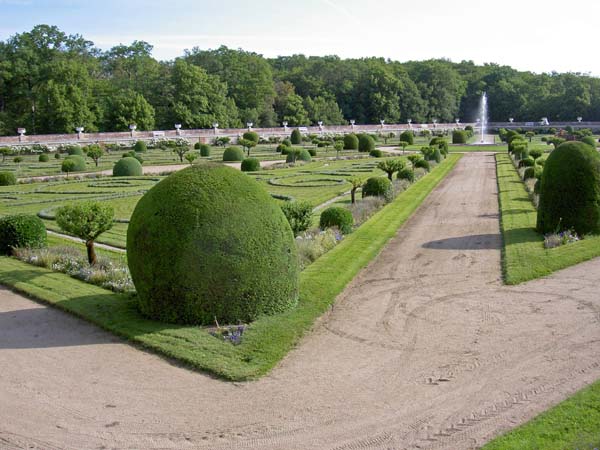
(483,116)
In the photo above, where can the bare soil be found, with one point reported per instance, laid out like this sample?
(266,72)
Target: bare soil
(424,349)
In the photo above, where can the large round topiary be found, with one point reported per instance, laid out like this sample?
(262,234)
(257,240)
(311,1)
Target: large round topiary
(336,216)
(407,136)
(233,154)
(7,179)
(377,187)
(570,190)
(365,143)
(21,230)
(250,165)
(128,167)
(459,137)
(350,142)
(79,163)
(251,136)
(209,242)
(140,147)
(43,158)
(204,150)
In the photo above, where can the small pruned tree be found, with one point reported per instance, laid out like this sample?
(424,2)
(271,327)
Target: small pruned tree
(404,144)
(179,147)
(556,141)
(530,135)
(339,146)
(191,157)
(247,144)
(68,166)
(356,182)
(87,221)
(95,152)
(535,153)
(413,159)
(5,151)
(390,166)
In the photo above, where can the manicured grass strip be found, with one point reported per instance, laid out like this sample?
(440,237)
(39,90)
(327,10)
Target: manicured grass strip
(477,148)
(572,424)
(268,339)
(524,256)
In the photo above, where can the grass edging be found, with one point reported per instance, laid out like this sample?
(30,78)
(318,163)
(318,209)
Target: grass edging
(524,257)
(269,339)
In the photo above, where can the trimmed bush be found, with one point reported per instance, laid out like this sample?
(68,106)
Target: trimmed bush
(21,230)
(204,150)
(296,154)
(140,147)
(529,173)
(527,162)
(366,143)
(286,142)
(407,136)
(43,158)
(57,155)
(298,214)
(437,155)
(312,152)
(296,137)
(589,140)
(350,142)
(406,173)
(79,163)
(281,147)
(336,216)
(423,164)
(233,154)
(74,150)
(191,263)
(197,146)
(377,187)
(251,136)
(459,137)
(128,167)
(535,153)
(304,155)
(376,153)
(7,179)
(250,165)
(570,190)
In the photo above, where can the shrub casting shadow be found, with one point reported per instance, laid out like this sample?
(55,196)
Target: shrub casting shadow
(471,242)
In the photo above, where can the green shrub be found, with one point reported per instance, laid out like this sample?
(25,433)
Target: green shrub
(376,153)
(336,216)
(251,136)
(296,154)
(74,150)
(407,136)
(281,147)
(298,214)
(57,155)
(21,230)
(286,142)
(459,137)
(127,167)
(250,165)
(535,153)
(537,186)
(350,142)
(437,155)
(589,140)
(527,162)
(366,143)
(469,128)
(78,163)
(529,173)
(7,179)
(377,187)
(191,263)
(570,190)
(286,150)
(204,150)
(233,154)
(140,147)
(312,152)
(406,173)
(197,146)
(423,164)
(296,137)
(43,158)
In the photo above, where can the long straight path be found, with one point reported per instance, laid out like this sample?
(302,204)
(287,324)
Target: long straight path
(424,349)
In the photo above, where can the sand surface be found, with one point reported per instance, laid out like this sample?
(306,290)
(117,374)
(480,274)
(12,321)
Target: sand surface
(424,349)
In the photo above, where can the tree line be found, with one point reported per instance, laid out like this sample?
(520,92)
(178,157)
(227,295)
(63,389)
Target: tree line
(51,82)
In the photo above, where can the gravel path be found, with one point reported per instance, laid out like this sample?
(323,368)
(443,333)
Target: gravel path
(424,349)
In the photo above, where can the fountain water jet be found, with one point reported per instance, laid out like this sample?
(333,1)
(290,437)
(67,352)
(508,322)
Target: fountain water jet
(483,116)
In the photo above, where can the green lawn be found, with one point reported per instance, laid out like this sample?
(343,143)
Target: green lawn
(572,424)
(268,339)
(524,256)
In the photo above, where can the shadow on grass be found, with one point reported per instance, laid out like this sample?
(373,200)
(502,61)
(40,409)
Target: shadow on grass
(471,242)
(522,235)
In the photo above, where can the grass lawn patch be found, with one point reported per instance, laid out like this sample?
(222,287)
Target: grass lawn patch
(268,339)
(572,424)
(524,256)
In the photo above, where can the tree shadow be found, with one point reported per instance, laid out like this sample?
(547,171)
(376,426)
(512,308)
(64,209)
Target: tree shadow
(470,242)
(522,236)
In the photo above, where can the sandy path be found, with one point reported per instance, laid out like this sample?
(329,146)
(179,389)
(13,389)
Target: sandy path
(425,349)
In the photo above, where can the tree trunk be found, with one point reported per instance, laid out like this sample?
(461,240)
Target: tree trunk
(353,195)
(390,175)
(91,253)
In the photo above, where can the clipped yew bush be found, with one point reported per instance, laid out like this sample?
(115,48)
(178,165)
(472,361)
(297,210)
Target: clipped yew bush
(74,150)
(250,165)
(377,187)
(527,162)
(350,142)
(312,152)
(376,153)
(78,163)
(296,137)
(204,150)
(21,230)
(43,158)
(233,154)
(589,140)
(251,136)
(210,243)
(407,136)
(366,143)
(423,164)
(570,190)
(128,167)
(140,147)
(459,137)
(406,173)
(336,216)
(7,179)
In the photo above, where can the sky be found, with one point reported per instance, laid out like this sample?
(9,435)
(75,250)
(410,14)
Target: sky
(539,36)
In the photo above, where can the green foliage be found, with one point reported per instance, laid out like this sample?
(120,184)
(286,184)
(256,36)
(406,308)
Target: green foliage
(376,153)
(75,163)
(251,136)
(74,150)
(287,142)
(296,137)
(294,155)
(197,146)
(377,187)
(127,167)
(527,162)
(247,144)
(390,166)
(7,178)
(18,159)
(570,190)
(312,152)
(233,154)
(336,216)
(283,149)
(589,140)
(68,166)
(95,152)
(298,214)
(350,142)
(204,150)
(535,153)
(529,173)
(459,137)
(4,151)
(406,173)
(191,157)
(140,147)
(182,243)
(250,165)
(57,155)
(21,230)
(43,158)
(366,143)
(423,164)
(407,136)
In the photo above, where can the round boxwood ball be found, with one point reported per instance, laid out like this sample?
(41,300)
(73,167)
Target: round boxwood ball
(140,147)
(350,142)
(366,143)
(57,155)
(79,161)
(407,136)
(128,167)
(304,155)
(250,165)
(377,187)
(233,154)
(251,136)
(423,164)
(209,242)
(43,158)
(204,150)
(21,230)
(336,216)
(406,173)
(459,137)
(376,153)
(7,179)
(570,190)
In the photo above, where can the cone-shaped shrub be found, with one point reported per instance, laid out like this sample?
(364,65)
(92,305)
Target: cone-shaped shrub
(296,137)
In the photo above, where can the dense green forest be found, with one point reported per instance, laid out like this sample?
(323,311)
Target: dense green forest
(51,82)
